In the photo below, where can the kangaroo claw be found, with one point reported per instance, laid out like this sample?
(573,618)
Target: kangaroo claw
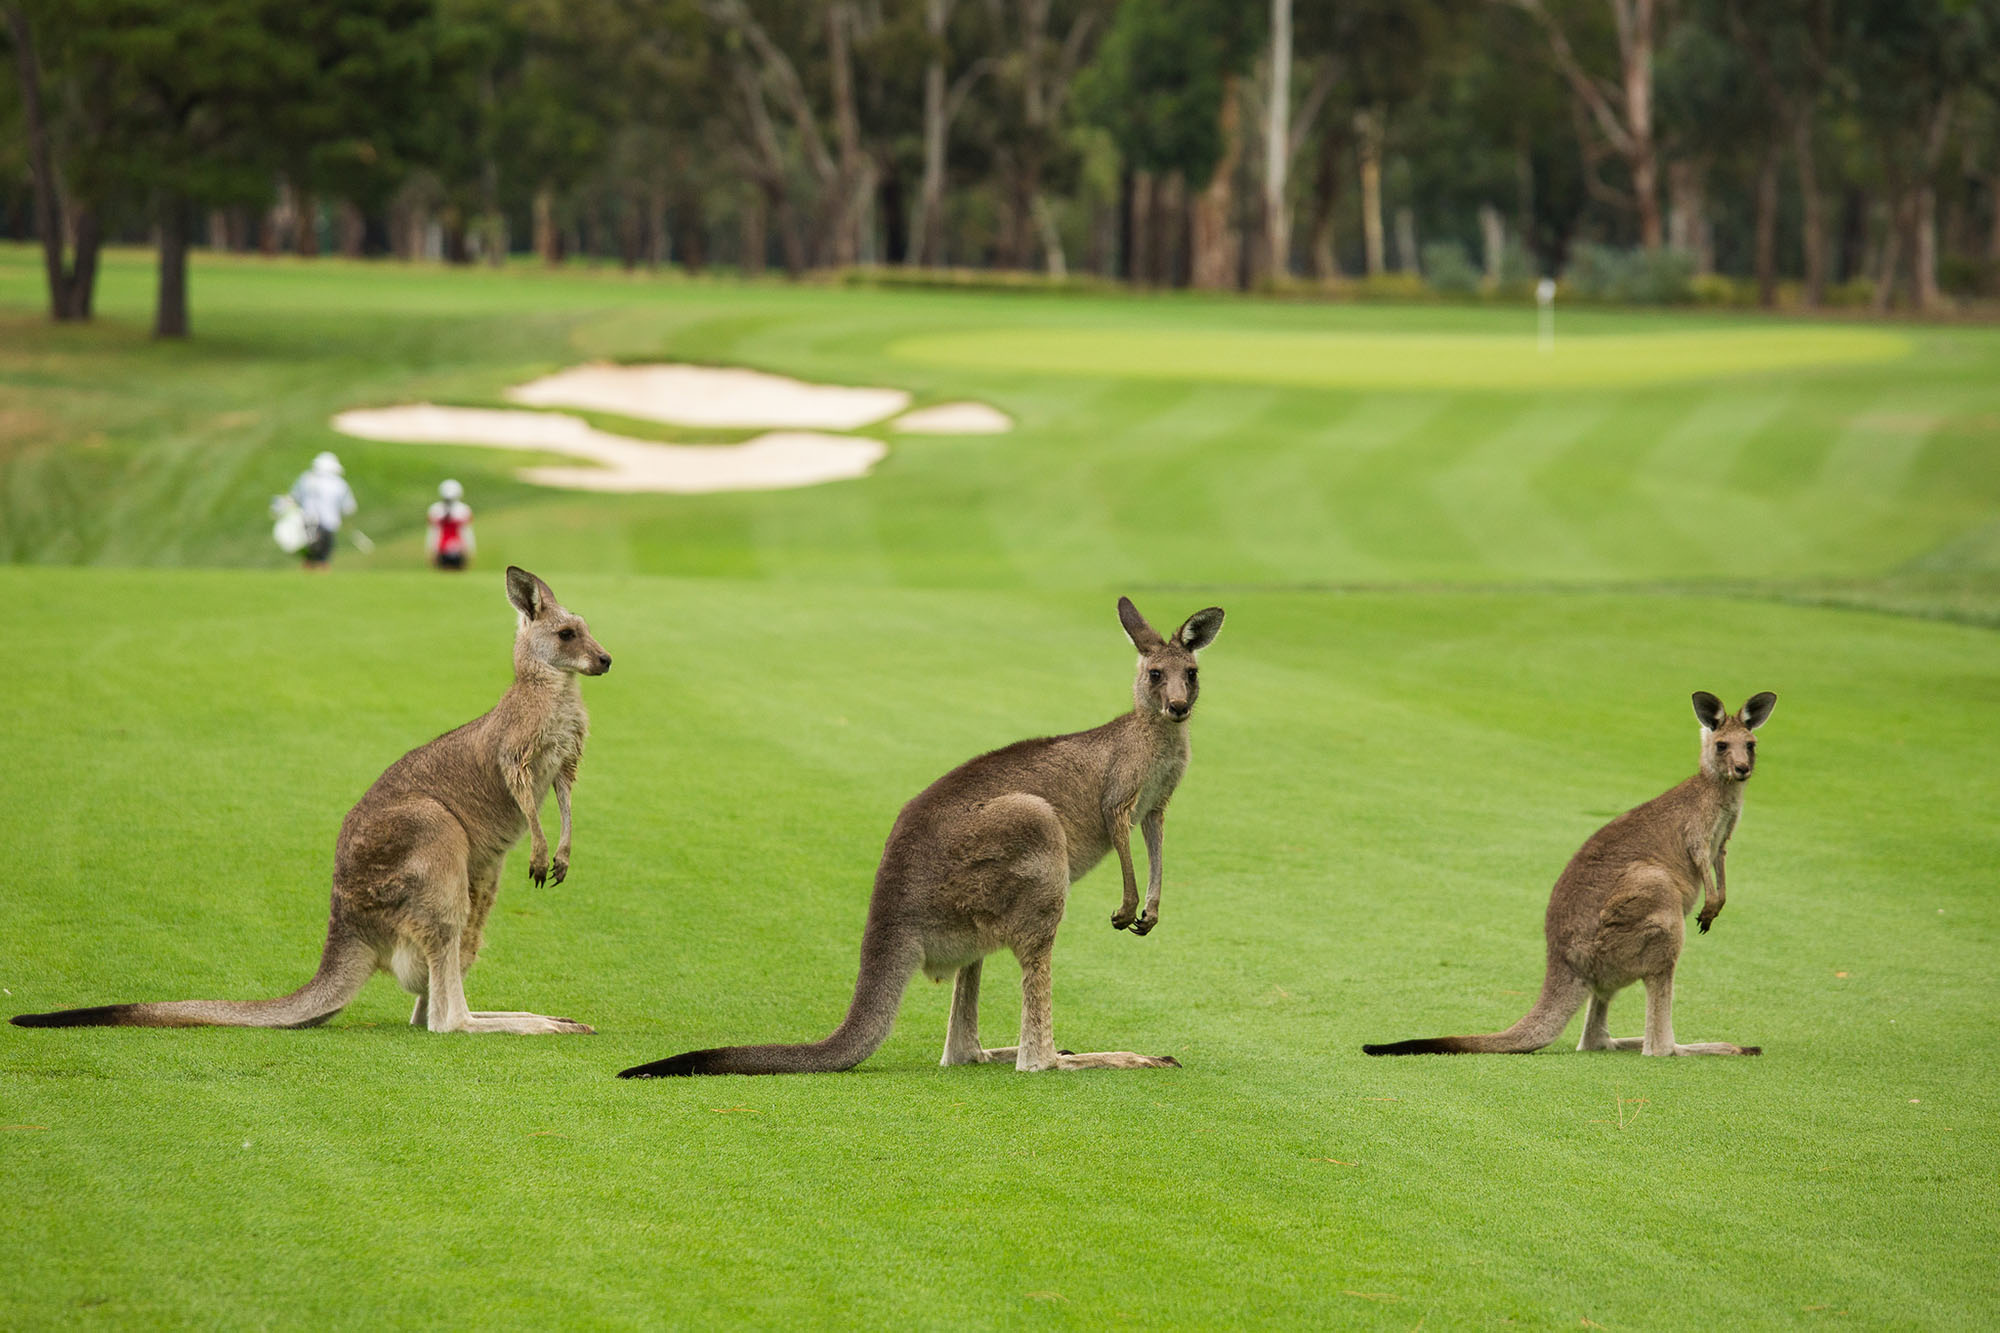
(1121,919)
(559,871)
(1144,924)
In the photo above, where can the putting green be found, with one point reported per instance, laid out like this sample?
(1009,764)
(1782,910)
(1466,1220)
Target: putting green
(1405,360)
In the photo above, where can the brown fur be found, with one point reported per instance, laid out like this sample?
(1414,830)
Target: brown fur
(1616,913)
(418,861)
(983,859)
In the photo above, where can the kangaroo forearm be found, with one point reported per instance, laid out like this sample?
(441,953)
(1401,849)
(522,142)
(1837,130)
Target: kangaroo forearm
(1715,891)
(1155,829)
(562,810)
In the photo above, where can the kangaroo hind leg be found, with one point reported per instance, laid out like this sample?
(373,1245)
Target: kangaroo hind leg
(1660,1025)
(961,1040)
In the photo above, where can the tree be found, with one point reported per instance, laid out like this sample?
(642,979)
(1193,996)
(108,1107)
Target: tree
(72,280)
(1164,85)
(1621,109)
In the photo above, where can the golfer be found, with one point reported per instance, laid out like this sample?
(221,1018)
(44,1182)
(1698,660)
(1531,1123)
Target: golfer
(324,500)
(449,540)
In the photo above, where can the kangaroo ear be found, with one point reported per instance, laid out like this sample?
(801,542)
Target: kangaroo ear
(1758,711)
(1143,636)
(528,593)
(1708,710)
(1200,629)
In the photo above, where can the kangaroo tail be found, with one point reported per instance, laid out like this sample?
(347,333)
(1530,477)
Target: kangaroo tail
(344,967)
(1562,994)
(886,965)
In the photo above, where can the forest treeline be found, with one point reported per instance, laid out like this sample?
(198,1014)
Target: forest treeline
(1771,151)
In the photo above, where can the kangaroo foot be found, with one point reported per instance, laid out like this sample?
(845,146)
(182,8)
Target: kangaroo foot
(1145,923)
(1114,1060)
(1122,918)
(524,1024)
(1717,1048)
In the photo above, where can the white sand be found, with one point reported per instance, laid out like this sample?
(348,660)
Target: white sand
(776,461)
(707,396)
(954,419)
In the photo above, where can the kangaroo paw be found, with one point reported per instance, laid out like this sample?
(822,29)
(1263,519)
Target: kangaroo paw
(1121,918)
(1144,924)
(559,870)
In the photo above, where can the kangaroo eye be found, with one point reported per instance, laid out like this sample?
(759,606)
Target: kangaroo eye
(1722,747)
(1154,676)
(1753,747)
(1191,675)
(565,634)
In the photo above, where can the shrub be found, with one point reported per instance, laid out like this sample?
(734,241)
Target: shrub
(1631,277)
(1448,270)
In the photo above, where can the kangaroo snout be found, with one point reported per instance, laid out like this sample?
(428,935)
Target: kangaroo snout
(1179,707)
(603,664)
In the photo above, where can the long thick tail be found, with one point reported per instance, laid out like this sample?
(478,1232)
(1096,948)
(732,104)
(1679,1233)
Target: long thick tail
(344,967)
(887,963)
(1562,994)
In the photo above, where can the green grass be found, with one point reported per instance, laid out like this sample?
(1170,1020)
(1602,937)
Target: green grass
(1376,360)
(1462,631)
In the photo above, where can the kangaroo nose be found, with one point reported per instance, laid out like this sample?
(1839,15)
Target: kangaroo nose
(1178,708)
(604,661)
(1743,770)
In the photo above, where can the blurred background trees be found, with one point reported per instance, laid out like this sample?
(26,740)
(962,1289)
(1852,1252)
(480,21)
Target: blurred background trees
(1797,152)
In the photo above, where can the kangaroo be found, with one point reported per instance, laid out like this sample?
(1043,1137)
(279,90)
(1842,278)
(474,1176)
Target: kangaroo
(983,859)
(417,864)
(1616,914)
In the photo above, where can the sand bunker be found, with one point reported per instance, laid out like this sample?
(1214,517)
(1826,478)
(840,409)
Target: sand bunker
(954,419)
(708,396)
(776,461)
(793,453)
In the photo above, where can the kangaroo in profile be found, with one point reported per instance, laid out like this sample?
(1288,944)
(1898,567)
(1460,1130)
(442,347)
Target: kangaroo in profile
(983,859)
(418,860)
(1616,914)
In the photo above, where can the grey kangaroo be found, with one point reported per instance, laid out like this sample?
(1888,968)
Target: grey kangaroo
(418,861)
(983,859)
(1616,914)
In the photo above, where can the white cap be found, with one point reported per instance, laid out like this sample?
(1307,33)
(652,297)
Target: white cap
(451,490)
(326,462)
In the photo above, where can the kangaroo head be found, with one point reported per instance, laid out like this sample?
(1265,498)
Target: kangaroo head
(1167,684)
(549,634)
(1728,749)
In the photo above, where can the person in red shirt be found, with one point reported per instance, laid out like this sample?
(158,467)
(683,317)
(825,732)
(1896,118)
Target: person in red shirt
(450,538)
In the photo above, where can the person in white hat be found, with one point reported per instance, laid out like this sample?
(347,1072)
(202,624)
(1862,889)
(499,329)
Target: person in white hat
(324,500)
(449,540)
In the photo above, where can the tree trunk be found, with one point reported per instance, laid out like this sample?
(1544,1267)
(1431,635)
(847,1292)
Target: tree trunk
(170,314)
(351,228)
(845,206)
(1140,231)
(1055,262)
(1812,229)
(1924,250)
(1368,136)
(1687,212)
(1214,239)
(1993,241)
(307,224)
(754,239)
(1493,241)
(927,230)
(1326,194)
(1767,227)
(1891,262)
(70,288)
(1406,240)
(1278,145)
(547,243)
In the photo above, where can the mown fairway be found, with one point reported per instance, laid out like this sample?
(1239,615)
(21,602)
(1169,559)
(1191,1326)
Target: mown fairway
(1387,778)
